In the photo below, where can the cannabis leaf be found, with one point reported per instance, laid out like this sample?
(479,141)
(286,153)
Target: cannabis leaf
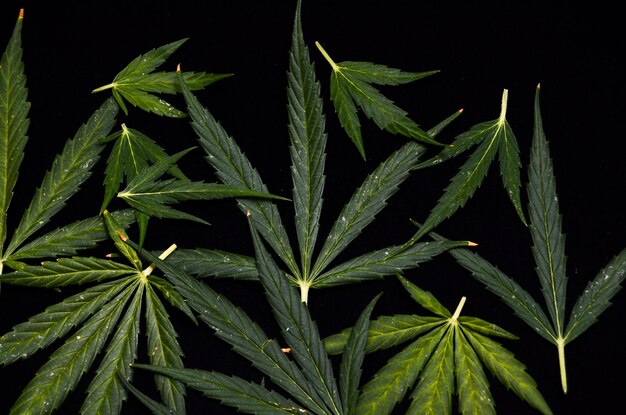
(137,83)
(444,351)
(307,145)
(492,137)
(549,253)
(308,379)
(351,86)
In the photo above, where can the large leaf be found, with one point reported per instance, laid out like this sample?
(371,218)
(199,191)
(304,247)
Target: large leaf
(549,253)
(442,351)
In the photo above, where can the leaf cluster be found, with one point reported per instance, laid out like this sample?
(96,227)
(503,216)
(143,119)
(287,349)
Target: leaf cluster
(93,335)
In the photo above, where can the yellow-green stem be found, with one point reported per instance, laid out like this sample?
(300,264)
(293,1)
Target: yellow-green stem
(457,312)
(332,63)
(560,344)
(304,291)
(104,87)
(505,99)
(164,255)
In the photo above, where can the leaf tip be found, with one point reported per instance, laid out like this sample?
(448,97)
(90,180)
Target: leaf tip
(539,85)
(470,243)
(248,213)
(178,68)
(21,14)
(461,110)
(122,236)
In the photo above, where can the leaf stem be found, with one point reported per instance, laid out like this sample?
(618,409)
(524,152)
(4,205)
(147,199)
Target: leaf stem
(457,312)
(330,61)
(560,344)
(104,87)
(304,291)
(505,99)
(164,255)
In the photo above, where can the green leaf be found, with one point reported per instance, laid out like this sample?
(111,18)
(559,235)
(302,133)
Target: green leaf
(495,137)
(350,87)
(153,197)
(44,328)
(14,122)
(383,262)
(468,179)
(234,169)
(69,171)
(352,360)
(511,373)
(66,365)
(118,235)
(298,328)
(67,271)
(136,82)
(509,291)
(436,386)
(596,297)
(367,201)
(233,391)
(214,263)
(236,328)
(384,332)
(471,382)
(425,298)
(308,144)
(105,393)
(390,384)
(164,350)
(69,239)
(132,152)
(545,227)
(171,295)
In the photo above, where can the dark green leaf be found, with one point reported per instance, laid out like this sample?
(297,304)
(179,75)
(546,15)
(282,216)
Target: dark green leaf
(13,124)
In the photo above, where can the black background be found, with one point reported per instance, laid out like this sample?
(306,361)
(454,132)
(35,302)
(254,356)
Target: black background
(481,48)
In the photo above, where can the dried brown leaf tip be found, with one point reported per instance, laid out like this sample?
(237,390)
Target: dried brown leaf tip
(21,15)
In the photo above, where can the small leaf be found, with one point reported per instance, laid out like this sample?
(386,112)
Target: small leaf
(118,235)
(69,239)
(597,296)
(136,82)
(351,86)
(425,298)
(105,393)
(508,370)
(69,171)
(132,152)
(67,271)
(433,394)
(214,263)
(390,384)
(164,350)
(232,391)
(385,332)
(352,360)
(14,123)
